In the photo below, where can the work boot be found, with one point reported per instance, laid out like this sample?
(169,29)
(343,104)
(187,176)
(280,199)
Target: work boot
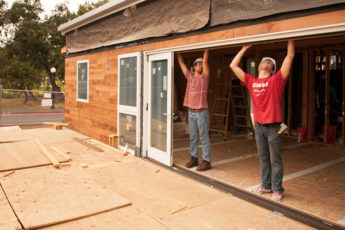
(205,165)
(192,162)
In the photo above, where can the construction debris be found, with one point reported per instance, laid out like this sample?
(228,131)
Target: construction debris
(62,153)
(50,157)
(87,144)
(56,125)
(9,173)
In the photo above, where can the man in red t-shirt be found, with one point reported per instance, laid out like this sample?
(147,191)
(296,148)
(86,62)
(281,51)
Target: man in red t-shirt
(266,91)
(198,115)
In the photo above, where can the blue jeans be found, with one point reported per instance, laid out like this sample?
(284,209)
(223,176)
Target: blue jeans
(198,124)
(268,142)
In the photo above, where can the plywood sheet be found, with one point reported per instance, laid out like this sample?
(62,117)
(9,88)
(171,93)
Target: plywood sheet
(24,154)
(45,196)
(325,192)
(7,218)
(229,213)
(12,134)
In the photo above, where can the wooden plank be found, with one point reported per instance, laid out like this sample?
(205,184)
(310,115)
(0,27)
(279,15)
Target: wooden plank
(55,123)
(305,90)
(327,107)
(68,158)
(52,197)
(87,144)
(52,159)
(343,131)
(311,101)
(290,100)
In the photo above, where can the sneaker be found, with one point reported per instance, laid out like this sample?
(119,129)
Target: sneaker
(192,162)
(205,165)
(261,190)
(277,196)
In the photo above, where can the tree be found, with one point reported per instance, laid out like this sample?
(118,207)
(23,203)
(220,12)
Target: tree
(2,12)
(21,50)
(88,6)
(33,45)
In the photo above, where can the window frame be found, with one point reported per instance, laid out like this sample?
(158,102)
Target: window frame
(87,83)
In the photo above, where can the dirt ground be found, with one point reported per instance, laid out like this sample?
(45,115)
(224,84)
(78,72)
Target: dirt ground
(17,104)
(159,198)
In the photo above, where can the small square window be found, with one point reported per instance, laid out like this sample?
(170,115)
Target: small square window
(83,81)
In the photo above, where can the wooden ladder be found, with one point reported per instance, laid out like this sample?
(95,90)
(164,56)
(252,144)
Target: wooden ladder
(229,97)
(219,117)
(241,118)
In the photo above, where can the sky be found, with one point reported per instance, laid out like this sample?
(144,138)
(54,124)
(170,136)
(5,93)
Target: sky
(49,5)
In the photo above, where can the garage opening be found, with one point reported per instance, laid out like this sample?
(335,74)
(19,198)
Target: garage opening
(312,105)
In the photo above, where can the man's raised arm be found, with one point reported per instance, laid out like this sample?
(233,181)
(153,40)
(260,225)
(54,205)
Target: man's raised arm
(287,63)
(234,65)
(206,68)
(182,64)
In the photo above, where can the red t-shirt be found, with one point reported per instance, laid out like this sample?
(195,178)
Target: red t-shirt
(266,97)
(196,91)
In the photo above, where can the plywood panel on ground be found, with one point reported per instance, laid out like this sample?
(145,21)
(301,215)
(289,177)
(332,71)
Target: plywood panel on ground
(12,134)
(120,219)
(321,193)
(233,214)
(24,154)
(7,218)
(46,196)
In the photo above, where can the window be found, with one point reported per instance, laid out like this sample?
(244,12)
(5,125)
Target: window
(83,81)
(128,126)
(128,81)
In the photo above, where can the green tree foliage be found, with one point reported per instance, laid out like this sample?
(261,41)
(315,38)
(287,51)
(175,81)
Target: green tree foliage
(88,6)
(2,12)
(33,45)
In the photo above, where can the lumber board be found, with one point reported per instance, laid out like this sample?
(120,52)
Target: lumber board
(290,101)
(87,144)
(311,94)
(327,106)
(44,196)
(343,128)
(7,218)
(62,153)
(52,159)
(55,123)
(305,90)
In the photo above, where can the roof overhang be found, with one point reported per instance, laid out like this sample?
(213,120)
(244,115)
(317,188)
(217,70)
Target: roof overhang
(98,13)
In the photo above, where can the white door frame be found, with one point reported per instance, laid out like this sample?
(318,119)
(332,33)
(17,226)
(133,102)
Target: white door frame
(149,151)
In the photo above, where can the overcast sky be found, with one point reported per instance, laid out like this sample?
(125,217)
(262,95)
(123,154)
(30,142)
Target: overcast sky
(48,5)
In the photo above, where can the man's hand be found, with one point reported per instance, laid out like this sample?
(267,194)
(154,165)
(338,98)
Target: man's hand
(246,47)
